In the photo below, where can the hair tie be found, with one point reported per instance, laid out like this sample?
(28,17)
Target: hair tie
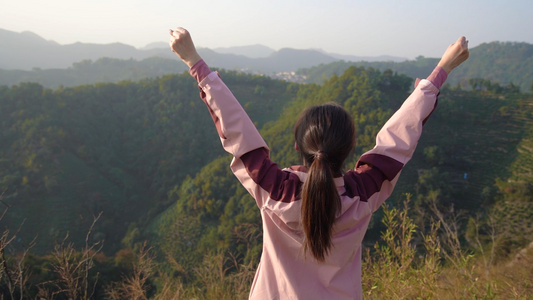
(321,155)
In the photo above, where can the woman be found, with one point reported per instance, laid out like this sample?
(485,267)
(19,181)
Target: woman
(314,216)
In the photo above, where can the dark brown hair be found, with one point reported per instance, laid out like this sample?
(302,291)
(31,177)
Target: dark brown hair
(325,136)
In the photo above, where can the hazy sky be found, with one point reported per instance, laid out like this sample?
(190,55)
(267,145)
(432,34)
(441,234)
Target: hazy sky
(406,28)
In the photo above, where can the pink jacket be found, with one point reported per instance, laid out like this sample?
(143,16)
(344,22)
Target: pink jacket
(284,272)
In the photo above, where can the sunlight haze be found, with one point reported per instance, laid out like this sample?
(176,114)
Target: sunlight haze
(365,28)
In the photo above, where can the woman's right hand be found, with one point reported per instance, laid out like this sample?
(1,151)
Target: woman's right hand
(181,44)
(455,55)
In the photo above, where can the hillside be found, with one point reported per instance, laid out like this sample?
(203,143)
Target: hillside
(68,154)
(470,142)
(27,50)
(504,63)
(146,155)
(32,54)
(78,151)
(500,62)
(91,72)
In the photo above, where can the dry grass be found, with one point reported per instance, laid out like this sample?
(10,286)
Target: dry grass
(135,285)
(407,264)
(442,271)
(435,268)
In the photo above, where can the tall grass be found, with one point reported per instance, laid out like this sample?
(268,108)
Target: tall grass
(438,268)
(409,262)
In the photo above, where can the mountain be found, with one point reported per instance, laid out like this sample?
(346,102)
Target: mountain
(506,63)
(117,148)
(155,45)
(369,58)
(252,51)
(354,58)
(473,139)
(54,65)
(285,59)
(26,51)
(146,154)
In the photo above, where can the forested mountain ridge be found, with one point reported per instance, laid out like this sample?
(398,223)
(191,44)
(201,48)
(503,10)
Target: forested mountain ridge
(469,142)
(27,51)
(147,156)
(24,56)
(504,63)
(68,154)
(500,62)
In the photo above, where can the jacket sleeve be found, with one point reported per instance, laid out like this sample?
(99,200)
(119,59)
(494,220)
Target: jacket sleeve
(251,163)
(236,131)
(395,144)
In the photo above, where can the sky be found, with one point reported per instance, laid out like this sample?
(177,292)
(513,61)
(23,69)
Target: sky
(406,28)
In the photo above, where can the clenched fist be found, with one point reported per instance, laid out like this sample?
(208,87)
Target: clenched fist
(455,55)
(181,44)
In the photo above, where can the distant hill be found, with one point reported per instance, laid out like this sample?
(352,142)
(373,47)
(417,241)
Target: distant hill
(57,65)
(91,72)
(115,70)
(253,51)
(26,50)
(354,58)
(108,147)
(18,52)
(155,45)
(501,62)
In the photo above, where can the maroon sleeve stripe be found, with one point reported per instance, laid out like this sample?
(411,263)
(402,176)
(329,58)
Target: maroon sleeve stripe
(363,182)
(438,77)
(281,185)
(387,165)
(200,70)
(370,173)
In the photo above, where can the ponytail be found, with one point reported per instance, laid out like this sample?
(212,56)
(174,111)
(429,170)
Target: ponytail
(325,136)
(320,204)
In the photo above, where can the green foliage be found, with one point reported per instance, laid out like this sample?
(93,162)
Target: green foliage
(92,72)
(213,213)
(142,152)
(512,212)
(506,63)
(393,270)
(68,154)
(396,270)
(467,130)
